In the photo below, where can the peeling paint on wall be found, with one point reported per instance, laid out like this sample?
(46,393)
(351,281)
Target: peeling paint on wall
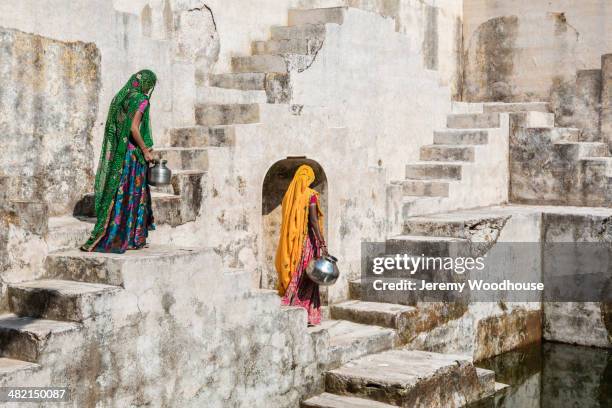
(489,60)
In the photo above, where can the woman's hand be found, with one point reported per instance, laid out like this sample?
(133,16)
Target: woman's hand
(148,155)
(324,251)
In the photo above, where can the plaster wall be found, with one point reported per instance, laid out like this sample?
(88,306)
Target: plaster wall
(526,50)
(231,220)
(48,105)
(361,126)
(374,81)
(433,28)
(122,48)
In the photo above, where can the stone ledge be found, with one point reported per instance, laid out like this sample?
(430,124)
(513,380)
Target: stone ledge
(57,299)
(111,269)
(408,378)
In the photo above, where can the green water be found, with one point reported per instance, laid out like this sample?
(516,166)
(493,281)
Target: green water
(551,375)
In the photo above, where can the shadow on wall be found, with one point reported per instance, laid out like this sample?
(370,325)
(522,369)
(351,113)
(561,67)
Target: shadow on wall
(275,185)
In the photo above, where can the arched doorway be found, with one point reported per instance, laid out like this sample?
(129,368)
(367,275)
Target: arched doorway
(275,184)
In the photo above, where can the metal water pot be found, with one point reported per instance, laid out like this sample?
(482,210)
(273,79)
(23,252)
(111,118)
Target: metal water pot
(159,175)
(323,270)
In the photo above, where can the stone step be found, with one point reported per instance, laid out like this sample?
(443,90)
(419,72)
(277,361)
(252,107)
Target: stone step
(461,137)
(183,158)
(189,186)
(557,134)
(68,232)
(516,107)
(327,400)
(408,378)
(226,114)
(389,315)
(10,367)
(57,299)
(600,166)
(202,136)
(162,204)
(397,297)
(417,246)
(168,207)
(182,184)
(463,227)
(532,119)
(579,150)
(331,15)
(428,245)
(487,380)
(447,153)
(308,31)
(425,188)
(433,171)
(247,81)
(276,85)
(125,269)
(412,205)
(473,120)
(345,341)
(24,338)
(216,95)
(259,63)
(301,46)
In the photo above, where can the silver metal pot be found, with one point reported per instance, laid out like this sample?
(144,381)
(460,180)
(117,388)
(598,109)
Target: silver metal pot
(323,270)
(159,175)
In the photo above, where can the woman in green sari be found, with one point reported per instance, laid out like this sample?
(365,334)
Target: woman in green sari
(122,196)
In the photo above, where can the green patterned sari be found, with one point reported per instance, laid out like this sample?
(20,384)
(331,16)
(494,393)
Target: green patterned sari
(116,136)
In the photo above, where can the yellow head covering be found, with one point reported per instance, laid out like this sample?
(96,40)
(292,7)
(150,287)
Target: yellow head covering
(294,227)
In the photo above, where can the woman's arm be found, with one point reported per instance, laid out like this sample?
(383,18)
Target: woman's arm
(313,218)
(138,138)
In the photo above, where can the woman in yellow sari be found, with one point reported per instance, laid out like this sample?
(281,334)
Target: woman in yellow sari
(301,239)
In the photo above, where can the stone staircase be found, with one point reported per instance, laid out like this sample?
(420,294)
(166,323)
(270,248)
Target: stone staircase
(291,48)
(404,378)
(180,202)
(464,155)
(375,371)
(361,348)
(83,299)
(559,166)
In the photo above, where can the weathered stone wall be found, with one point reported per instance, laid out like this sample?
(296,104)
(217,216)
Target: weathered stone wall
(177,335)
(546,169)
(48,105)
(123,49)
(23,229)
(485,329)
(168,38)
(434,29)
(353,121)
(526,50)
(390,103)
(568,322)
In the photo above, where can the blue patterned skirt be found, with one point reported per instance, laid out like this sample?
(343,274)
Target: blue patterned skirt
(132,216)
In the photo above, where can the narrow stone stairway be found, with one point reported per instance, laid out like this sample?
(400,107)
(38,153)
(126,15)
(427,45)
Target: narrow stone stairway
(397,375)
(291,48)
(404,378)
(464,155)
(84,297)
